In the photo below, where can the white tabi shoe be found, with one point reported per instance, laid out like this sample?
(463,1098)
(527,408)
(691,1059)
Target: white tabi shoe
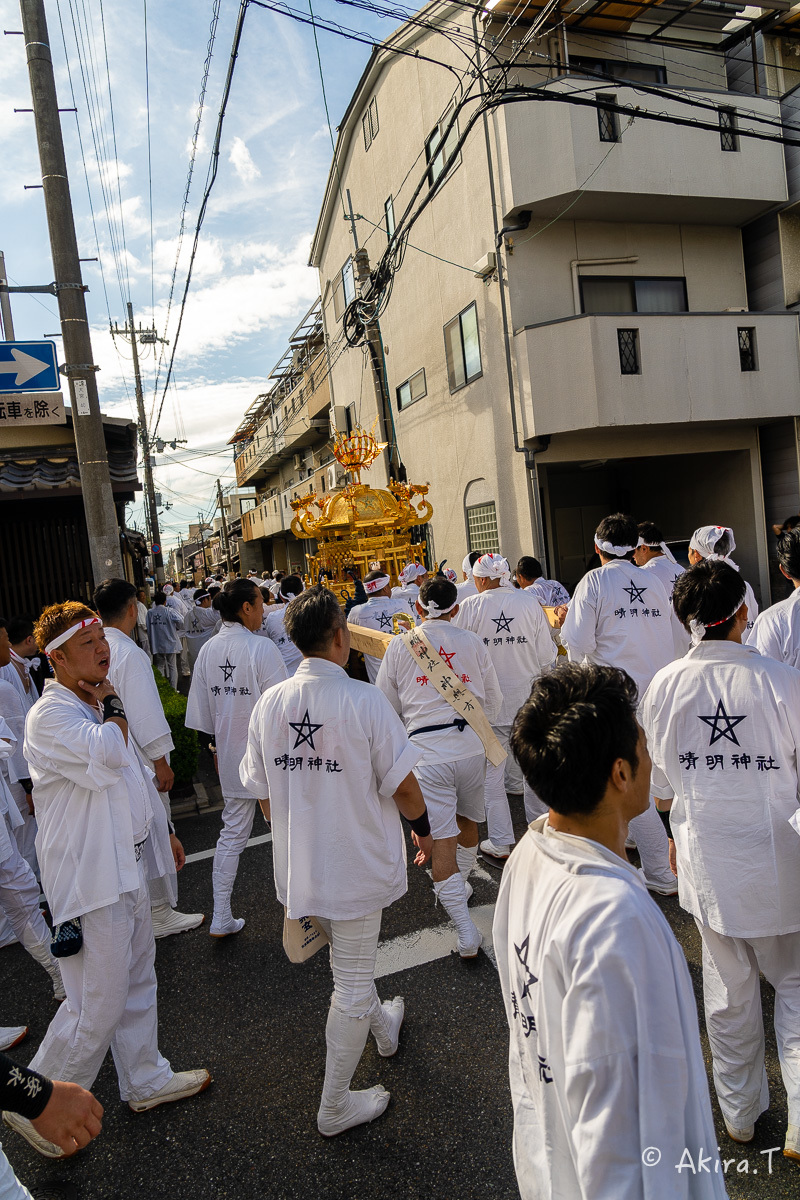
(388,1022)
(12,1036)
(670,888)
(498,852)
(232,925)
(23,1127)
(168,920)
(743,1136)
(791,1148)
(182,1085)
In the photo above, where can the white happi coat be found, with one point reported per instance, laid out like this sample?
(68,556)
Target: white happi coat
(620,616)
(274,627)
(377,614)
(12,676)
(231,673)
(87,783)
(548,591)
(605,1059)
(408,593)
(669,573)
(466,588)
(13,711)
(514,630)
(10,816)
(415,699)
(723,733)
(330,752)
(776,631)
(164,626)
(199,625)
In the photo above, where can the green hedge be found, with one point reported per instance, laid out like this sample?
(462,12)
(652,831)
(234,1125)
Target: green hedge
(185,757)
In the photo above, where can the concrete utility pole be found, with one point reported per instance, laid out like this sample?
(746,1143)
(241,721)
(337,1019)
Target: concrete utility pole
(5,304)
(225,544)
(144,438)
(202,544)
(375,347)
(98,496)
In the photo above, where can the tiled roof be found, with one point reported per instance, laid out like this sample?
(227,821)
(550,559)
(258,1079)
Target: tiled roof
(49,470)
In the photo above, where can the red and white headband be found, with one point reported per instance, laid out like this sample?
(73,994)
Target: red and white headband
(377,585)
(68,633)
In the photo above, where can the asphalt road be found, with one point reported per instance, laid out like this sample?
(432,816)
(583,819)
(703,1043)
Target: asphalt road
(257,1022)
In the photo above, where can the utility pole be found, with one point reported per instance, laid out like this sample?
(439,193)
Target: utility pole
(144,438)
(225,544)
(5,304)
(98,495)
(202,544)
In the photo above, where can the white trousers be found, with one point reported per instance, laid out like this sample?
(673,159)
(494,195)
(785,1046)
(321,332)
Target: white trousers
(166,664)
(185,667)
(498,813)
(238,815)
(732,1002)
(450,788)
(19,897)
(354,948)
(25,835)
(653,845)
(10,1186)
(111,1002)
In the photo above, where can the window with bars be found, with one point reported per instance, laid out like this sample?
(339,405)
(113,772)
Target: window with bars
(388,217)
(413,389)
(463,349)
(628,343)
(482,528)
(607,119)
(369,123)
(747,349)
(728,137)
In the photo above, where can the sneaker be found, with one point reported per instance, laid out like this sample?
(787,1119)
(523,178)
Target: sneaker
(12,1036)
(500,852)
(792,1147)
(740,1135)
(23,1127)
(661,889)
(182,1085)
(168,920)
(234,925)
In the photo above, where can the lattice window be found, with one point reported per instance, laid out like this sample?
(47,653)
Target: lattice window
(482,528)
(607,119)
(628,342)
(747,349)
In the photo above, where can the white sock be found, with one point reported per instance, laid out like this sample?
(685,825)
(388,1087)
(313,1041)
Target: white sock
(466,858)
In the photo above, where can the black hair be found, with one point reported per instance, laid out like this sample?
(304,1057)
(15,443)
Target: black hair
(266,595)
(112,597)
(291,585)
(571,730)
(236,592)
(440,590)
(3,623)
(474,556)
(707,592)
(19,628)
(789,552)
(183,583)
(529,567)
(214,589)
(650,533)
(620,530)
(159,597)
(313,618)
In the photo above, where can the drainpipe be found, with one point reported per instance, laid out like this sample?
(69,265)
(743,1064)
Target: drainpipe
(592,262)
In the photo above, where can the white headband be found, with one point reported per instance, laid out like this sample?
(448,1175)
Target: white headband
(491,566)
(704,541)
(377,585)
(613,551)
(450,574)
(168,589)
(698,629)
(68,633)
(421,570)
(662,546)
(287,596)
(466,567)
(408,573)
(432,608)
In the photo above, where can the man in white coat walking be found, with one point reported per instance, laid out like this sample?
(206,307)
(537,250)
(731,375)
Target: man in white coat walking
(379,612)
(776,631)
(722,724)
(607,1076)
(95,810)
(164,625)
(621,616)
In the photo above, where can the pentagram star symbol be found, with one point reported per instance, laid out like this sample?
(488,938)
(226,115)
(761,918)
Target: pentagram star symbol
(717,730)
(227,669)
(503,622)
(635,593)
(305,731)
(448,658)
(385,621)
(522,955)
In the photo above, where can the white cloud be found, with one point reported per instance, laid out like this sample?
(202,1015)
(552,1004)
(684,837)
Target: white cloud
(242,161)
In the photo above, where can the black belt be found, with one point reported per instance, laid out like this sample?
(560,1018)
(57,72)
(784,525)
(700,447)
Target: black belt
(460,724)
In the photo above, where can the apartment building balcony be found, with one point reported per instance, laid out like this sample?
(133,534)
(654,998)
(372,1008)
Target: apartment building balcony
(609,369)
(265,520)
(653,171)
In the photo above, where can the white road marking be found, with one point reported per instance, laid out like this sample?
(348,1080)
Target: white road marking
(254,841)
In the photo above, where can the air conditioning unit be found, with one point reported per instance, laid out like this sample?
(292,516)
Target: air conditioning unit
(298,462)
(336,477)
(485,266)
(338,419)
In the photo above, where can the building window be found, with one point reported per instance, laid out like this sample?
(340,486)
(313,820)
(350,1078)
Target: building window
(607,119)
(620,293)
(482,528)
(463,348)
(437,151)
(344,289)
(413,389)
(625,72)
(388,218)
(369,123)
(747,350)
(628,343)
(728,137)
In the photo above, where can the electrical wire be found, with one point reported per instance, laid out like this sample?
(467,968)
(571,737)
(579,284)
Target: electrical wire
(149,162)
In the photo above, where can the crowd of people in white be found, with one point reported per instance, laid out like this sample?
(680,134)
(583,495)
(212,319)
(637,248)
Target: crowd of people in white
(655,709)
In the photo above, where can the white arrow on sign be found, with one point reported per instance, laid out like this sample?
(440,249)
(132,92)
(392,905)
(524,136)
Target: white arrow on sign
(24,366)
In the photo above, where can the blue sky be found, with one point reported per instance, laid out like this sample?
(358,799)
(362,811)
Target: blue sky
(251,284)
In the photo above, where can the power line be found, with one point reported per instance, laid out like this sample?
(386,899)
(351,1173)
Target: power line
(149,164)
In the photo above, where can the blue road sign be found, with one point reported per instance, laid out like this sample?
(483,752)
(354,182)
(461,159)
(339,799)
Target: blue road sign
(28,367)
